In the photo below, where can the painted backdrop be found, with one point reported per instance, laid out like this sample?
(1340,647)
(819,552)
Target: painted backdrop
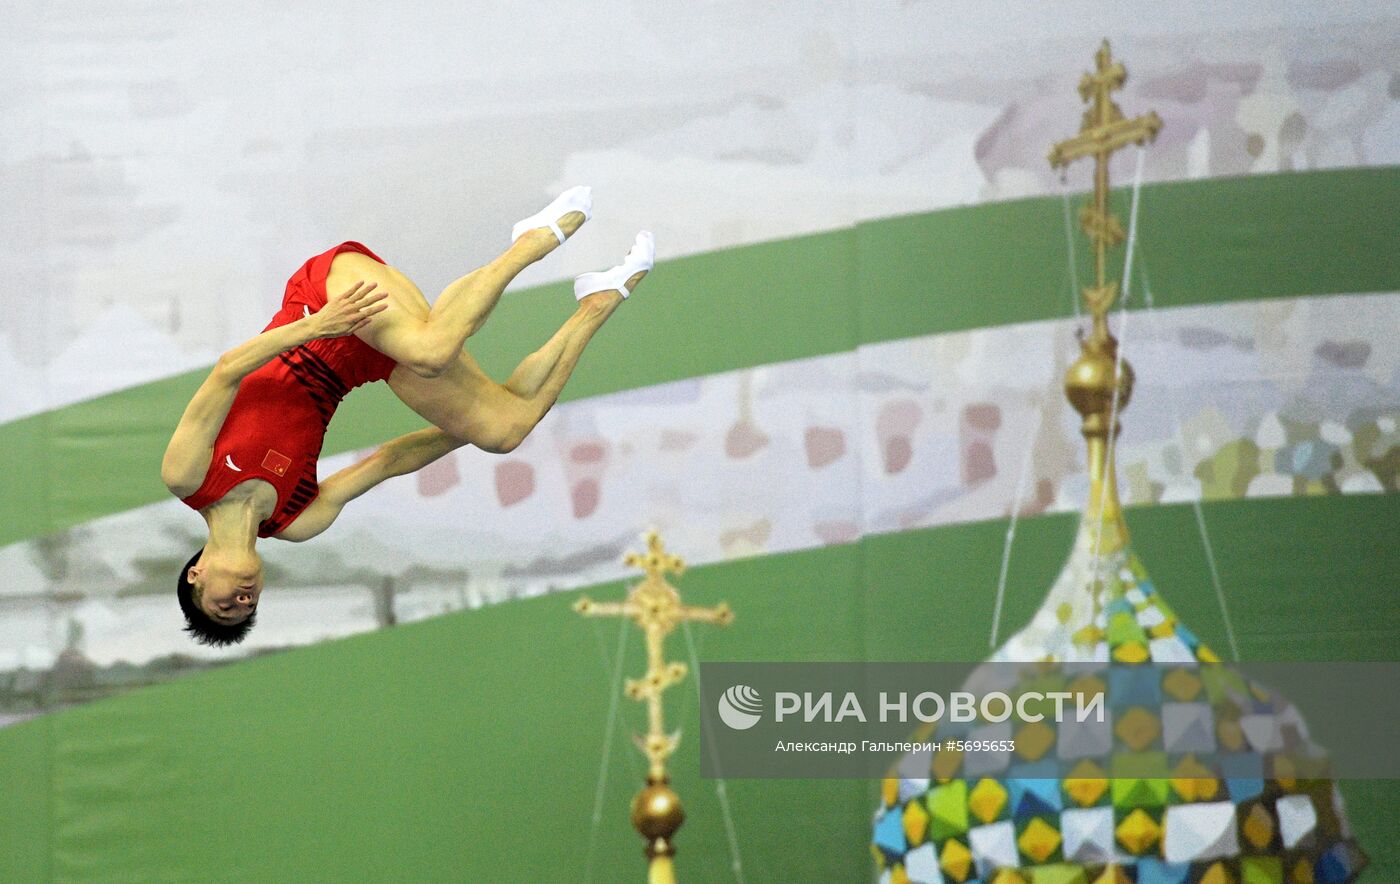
(854,337)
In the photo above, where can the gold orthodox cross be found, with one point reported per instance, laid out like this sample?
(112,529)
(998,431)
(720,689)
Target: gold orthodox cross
(1100,382)
(656,607)
(1102,132)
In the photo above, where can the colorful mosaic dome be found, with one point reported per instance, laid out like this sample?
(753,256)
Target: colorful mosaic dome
(1196,775)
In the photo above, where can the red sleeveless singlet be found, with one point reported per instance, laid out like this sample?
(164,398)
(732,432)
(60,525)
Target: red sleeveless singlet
(278,419)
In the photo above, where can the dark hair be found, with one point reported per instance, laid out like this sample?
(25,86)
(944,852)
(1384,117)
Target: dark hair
(205,630)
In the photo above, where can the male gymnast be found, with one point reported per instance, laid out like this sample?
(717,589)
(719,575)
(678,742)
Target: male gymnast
(244,453)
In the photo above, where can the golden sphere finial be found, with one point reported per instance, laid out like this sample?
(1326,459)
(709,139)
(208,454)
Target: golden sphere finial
(1091,382)
(657,811)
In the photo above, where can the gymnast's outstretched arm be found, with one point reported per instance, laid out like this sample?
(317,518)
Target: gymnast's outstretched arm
(398,457)
(192,444)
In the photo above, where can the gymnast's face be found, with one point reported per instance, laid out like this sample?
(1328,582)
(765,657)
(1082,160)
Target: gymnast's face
(228,585)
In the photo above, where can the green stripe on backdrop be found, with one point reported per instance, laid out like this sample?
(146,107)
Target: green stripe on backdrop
(467,747)
(26,812)
(1208,242)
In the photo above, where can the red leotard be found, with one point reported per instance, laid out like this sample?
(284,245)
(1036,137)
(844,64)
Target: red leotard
(278,419)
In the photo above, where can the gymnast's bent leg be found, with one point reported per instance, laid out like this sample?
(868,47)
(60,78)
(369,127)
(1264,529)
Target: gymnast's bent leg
(468,405)
(426,340)
(441,381)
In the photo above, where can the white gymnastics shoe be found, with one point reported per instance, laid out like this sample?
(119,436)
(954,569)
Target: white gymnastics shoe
(575,199)
(640,258)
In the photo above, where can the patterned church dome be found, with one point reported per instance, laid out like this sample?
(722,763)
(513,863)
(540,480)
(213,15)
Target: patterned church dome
(1196,774)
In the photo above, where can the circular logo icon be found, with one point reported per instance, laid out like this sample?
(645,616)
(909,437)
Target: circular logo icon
(740,707)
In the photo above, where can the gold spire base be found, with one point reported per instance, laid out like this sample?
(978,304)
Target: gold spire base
(1099,386)
(661,871)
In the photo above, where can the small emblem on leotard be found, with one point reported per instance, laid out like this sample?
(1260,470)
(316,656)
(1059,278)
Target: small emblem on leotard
(277,462)
(228,461)
(305,309)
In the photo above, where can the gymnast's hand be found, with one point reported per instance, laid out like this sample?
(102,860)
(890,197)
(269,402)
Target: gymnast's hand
(348,311)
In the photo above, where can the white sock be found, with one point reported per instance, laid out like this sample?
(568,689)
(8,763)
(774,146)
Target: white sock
(642,256)
(575,199)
